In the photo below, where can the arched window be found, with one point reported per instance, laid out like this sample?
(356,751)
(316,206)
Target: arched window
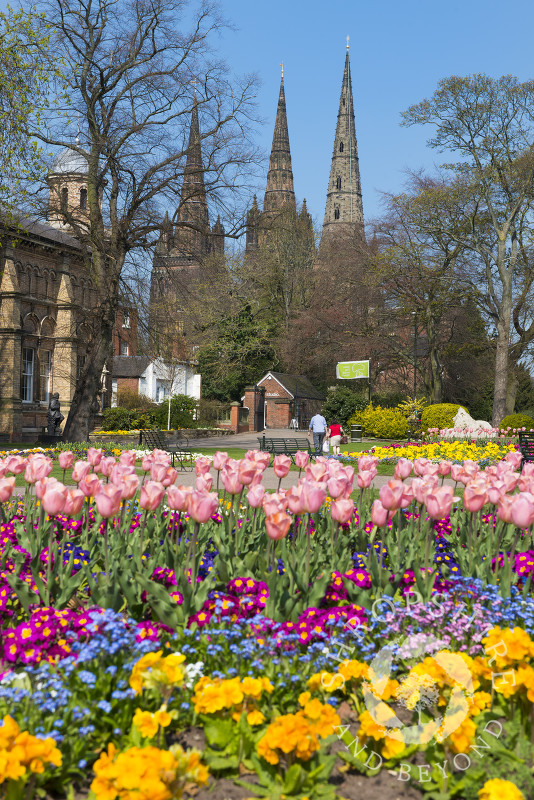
(336,213)
(343,101)
(64,198)
(338,182)
(341,147)
(83,198)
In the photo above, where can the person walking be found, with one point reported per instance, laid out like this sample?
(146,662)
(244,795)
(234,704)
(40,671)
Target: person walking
(318,428)
(336,432)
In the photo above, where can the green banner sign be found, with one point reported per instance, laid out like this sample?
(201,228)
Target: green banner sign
(349,370)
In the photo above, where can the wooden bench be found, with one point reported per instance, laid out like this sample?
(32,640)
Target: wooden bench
(181,452)
(285,446)
(526,446)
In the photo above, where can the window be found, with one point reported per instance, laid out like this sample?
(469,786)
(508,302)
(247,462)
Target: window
(336,213)
(338,182)
(125,349)
(162,390)
(64,198)
(341,147)
(343,101)
(126,319)
(28,362)
(44,375)
(83,198)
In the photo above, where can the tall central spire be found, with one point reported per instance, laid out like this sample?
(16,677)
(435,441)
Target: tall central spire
(344,208)
(280,191)
(194,204)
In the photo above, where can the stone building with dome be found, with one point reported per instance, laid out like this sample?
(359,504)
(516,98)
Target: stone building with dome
(44,290)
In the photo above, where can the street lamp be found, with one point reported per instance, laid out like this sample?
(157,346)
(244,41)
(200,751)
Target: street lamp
(414,355)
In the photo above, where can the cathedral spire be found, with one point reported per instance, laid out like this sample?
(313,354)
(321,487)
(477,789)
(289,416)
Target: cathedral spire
(344,208)
(194,205)
(280,191)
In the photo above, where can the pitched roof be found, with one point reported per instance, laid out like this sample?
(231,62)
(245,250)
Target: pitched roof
(297,385)
(129,366)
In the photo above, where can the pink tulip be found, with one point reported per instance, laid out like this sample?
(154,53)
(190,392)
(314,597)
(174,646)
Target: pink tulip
(41,486)
(514,458)
(15,464)
(73,502)
(246,471)
(128,458)
(522,511)
(90,485)
(202,505)
(128,486)
(301,459)
(504,511)
(147,462)
(475,496)
(281,465)
(54,498)
(178,497)
(94,456)
(294,500)
(66,459)
(439,502)
(204,483)
(365,477)
(528,467)
(255,496)
(170,477)
(7,486)
(162,457)
(158,471)
(219,460)
(313,496)
(458,474)
(231,482)
(471,468)
(423,486)
(367,462)
(151,495)
(274,503)
(342,510)
(407,496)
(496,491)
(419,466)
(37,467)
(80,470)
(108,501)
(202,465)
(118,472)
(391,494)
(262,460)
(317,471)
(444,467)
(403,469)
(3,469)
(106,465)
(278,525)
(337,487)
(379,514)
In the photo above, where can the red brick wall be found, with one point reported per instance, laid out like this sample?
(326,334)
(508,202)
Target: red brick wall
(128,383)
(278,413)
(122,334)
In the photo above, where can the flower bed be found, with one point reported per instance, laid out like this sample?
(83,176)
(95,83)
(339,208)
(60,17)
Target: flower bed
(485,453)
(136,611)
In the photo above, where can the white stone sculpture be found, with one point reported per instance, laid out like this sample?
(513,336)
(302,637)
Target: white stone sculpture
(464,420)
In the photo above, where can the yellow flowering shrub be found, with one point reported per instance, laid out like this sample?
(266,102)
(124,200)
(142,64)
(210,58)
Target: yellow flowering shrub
(147,773)
(22,753)
(499,789)
(299,733)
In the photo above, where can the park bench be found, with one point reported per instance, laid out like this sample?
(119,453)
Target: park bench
(179,450)
(285,446)
(526,446)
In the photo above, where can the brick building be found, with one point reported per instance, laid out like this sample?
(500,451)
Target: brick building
(278,399)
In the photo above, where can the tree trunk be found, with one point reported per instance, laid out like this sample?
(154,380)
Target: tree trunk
(436,376)
(82,409)
(501,364)
(511,393)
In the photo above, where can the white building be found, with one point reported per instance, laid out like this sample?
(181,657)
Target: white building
(154,378)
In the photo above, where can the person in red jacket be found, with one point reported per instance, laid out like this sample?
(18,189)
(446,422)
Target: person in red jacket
(335,433)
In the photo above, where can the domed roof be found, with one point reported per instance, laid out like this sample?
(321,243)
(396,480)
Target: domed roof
(69,161)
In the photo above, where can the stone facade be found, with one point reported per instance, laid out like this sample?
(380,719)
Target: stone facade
(44,290)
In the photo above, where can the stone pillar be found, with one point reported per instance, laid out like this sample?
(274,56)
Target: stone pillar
(66,344)
(10,350)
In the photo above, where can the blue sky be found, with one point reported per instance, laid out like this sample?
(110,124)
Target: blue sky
(398,51)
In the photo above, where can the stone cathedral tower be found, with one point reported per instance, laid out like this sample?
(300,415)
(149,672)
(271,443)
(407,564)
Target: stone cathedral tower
(343,215)
(184,246)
